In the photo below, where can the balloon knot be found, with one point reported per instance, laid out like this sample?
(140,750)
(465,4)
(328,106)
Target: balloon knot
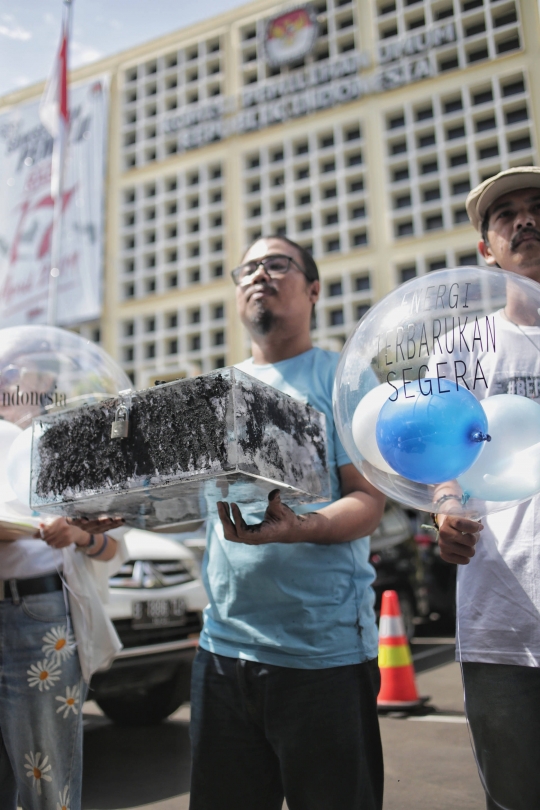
(478,436)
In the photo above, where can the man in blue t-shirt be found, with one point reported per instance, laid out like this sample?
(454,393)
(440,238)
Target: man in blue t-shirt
(285,681)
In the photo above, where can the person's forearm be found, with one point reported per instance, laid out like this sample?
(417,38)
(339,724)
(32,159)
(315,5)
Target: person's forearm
(355,515)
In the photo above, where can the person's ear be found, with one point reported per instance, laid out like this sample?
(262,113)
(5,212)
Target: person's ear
(314,291)
(485,251)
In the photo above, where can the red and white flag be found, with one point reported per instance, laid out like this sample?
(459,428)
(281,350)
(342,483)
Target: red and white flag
(54,107)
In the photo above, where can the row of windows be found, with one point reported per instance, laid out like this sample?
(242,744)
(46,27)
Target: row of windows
(431,263)
(472,16)
(173,59)
(172,320)
(455,102)
(170,280)
(173,345)
(174,184)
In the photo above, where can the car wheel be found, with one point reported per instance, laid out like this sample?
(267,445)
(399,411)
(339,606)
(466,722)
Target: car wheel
(148,707)
(407,611)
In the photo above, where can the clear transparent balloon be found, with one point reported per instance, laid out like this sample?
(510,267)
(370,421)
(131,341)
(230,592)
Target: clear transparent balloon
(44,369)
(437,393)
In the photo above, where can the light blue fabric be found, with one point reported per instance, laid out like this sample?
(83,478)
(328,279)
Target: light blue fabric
(294,605)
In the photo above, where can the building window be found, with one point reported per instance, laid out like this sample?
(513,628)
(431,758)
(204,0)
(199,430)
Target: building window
(433,222)
(458,160)
(172,320)
(361,310)
(467,258)
(405,228)
(436,264)
(362,283)
(406,273)
(172,346)
(426,140)
(429,167)
(360,238)
(335,317)
(461,187)
(404,201)
(519,143)
(195,343)
(219,312)
(150,350)
(332,245)
(335,288)
(400,174)
(219,338)
(488,152)
(432,194)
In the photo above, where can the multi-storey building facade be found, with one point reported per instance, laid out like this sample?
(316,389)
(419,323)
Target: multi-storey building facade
(363,150)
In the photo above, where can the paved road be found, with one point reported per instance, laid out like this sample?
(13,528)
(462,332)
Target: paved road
(428,759)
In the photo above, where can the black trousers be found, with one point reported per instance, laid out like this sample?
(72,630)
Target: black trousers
(503,707)
(261,733)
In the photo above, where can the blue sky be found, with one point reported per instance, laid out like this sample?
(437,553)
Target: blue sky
(30,30)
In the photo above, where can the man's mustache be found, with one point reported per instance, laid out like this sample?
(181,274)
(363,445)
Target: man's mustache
(263,287)
(520,235)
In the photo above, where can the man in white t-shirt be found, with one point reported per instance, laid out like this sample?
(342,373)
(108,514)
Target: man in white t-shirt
(42,688)
(498,587)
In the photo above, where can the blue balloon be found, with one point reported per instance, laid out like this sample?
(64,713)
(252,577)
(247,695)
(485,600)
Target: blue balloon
(430,436)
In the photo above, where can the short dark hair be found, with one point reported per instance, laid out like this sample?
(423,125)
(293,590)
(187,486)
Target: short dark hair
(311,271)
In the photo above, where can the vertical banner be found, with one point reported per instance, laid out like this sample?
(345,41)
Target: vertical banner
(26,211)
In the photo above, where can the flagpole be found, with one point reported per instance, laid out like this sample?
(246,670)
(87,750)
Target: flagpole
(61,134)
(56,245)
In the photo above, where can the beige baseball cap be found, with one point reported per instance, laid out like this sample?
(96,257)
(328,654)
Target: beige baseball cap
(481,197)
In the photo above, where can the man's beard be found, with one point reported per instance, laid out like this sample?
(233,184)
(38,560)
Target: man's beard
(262,321)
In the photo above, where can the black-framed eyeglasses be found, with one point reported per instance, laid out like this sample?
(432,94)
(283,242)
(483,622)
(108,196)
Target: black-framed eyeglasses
(274,266)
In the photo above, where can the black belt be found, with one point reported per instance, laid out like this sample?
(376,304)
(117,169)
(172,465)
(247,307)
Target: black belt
(30,587)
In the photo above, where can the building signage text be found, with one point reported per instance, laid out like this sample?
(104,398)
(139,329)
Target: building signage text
(312,88)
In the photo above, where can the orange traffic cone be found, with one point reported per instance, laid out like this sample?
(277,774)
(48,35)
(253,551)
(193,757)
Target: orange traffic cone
(398,687)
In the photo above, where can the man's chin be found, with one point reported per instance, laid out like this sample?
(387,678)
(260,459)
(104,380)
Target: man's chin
(529,267)
(262,321)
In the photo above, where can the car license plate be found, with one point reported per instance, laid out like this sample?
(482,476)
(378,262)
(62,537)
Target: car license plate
(158,613)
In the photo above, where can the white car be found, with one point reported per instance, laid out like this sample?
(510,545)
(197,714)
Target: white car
(155,602)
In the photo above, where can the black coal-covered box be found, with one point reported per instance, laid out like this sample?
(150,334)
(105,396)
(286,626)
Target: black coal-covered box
(189,443)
